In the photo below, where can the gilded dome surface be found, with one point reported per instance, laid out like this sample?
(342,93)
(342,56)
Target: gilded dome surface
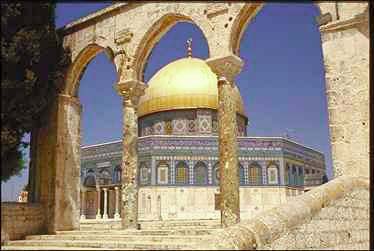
(183,84)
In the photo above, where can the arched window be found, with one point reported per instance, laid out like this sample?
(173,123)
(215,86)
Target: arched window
(216,174)
(255,174)
(144,174)
(117,173)
(200,173)
(162,173)
(90,179)
(241,175)
(181,173)
(272,172)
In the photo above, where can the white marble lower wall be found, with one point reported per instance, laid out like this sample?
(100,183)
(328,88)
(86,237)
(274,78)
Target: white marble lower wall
(169,203)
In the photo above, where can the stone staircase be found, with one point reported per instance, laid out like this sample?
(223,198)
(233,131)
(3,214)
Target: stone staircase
(154,235)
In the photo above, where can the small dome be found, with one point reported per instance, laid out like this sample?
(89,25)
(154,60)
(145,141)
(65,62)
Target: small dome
(183,84)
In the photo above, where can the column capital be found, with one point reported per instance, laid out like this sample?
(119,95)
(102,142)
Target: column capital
(71,100)
(226,67)
(131,90)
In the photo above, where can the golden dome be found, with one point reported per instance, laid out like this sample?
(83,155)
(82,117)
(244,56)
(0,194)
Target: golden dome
(183,84)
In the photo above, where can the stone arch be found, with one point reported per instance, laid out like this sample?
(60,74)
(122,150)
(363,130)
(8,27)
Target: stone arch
(240,23)
(250,10)
(153,36)
(79,64)
(61,133)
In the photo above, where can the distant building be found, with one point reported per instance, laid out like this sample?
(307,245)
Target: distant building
(22,197)
(178,173)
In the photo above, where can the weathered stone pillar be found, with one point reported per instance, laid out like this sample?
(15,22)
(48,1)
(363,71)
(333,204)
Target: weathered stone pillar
(98,191)
(131,91)
(345,46)
(116,213)
(226,68)
(55,164)
(66,173)
(105,210)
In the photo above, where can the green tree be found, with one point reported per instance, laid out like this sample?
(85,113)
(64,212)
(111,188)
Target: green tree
(32,66)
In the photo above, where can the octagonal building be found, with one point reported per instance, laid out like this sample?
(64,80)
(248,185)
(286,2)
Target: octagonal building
(178,173)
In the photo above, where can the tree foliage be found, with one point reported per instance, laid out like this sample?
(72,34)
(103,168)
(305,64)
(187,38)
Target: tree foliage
(32,59)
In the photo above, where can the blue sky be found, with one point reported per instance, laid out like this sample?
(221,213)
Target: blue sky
(282,81)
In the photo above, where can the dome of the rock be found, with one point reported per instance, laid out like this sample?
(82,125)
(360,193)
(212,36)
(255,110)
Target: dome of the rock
(184,84)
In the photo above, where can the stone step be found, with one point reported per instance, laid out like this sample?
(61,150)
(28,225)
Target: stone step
(147,225)
(97,225)
(48,248)
(100,226)
(129,238)
(139,245)
(178,222)
(179,227)
(193,231)
(150,227)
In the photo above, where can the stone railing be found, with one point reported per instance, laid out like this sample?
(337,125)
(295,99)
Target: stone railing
(339,207)
(21,219)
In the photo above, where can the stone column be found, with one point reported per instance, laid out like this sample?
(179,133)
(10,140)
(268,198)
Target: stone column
(83,205)
(105,211)
(116,213)
(226,68)
(346,50)
(65,173)
(131,91)
(98,191)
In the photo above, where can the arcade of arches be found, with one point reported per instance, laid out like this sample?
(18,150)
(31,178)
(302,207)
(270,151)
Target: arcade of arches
(55,151)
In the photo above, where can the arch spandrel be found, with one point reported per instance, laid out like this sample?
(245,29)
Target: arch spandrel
(159,18)
(213,19)
(79,64)
(132,30)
